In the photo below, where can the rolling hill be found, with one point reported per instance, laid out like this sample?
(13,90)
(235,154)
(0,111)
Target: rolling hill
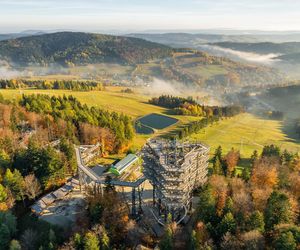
(75,48)
(280,50)
(131,59)
(290,58)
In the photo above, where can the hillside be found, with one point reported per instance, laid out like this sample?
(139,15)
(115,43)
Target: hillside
(70,48)
(130,60)
(291,58)
(280,51)
(209,71)
(263,48)
(191,40)
(284,52)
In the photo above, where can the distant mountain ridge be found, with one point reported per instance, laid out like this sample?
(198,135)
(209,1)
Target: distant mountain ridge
(24,33)
(180,39)
(77,48)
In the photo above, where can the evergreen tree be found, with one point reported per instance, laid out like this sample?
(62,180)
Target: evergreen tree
(278,210)
(246,175)
(91,241)
(166,243)
(228,224)
(254,157)
(271,150)
(68,149)
(105,241)
(15,182)
(286,241)
(78,241)
(4,236)
(217,154)
(256,222)
(287,158)
(8,227)
(194,243)
(228,206)
(217,167)
(207,205)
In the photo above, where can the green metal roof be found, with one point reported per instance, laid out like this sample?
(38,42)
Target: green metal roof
(125,163)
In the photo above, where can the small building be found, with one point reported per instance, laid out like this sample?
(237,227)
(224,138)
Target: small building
(123,164)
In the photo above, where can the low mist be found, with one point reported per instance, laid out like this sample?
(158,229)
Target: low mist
(267,59)
(160,87)
(9,72)
(163,87)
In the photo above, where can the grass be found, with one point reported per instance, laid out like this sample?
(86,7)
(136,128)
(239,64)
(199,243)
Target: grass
(246,133)
(111,99)
(135,105)
(207,71)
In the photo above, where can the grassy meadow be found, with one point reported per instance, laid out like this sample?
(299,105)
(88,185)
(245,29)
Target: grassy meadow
(244,132)
(133,104)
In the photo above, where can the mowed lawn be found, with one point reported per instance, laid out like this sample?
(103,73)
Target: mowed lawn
(246,133)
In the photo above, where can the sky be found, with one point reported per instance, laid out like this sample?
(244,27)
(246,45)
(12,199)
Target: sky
(143,15)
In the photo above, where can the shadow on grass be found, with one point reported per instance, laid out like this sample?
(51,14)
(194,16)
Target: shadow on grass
(244,163)
(287,127)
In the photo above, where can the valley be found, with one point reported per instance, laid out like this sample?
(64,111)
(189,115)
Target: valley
(127,61)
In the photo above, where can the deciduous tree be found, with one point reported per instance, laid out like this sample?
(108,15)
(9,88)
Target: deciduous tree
(231,160)
(32,187)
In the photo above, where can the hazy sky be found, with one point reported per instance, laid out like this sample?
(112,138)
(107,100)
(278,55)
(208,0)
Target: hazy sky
(94,15)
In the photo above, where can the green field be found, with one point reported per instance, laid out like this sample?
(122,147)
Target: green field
(246,133)
(207,72)
(135,105)
(111,99)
